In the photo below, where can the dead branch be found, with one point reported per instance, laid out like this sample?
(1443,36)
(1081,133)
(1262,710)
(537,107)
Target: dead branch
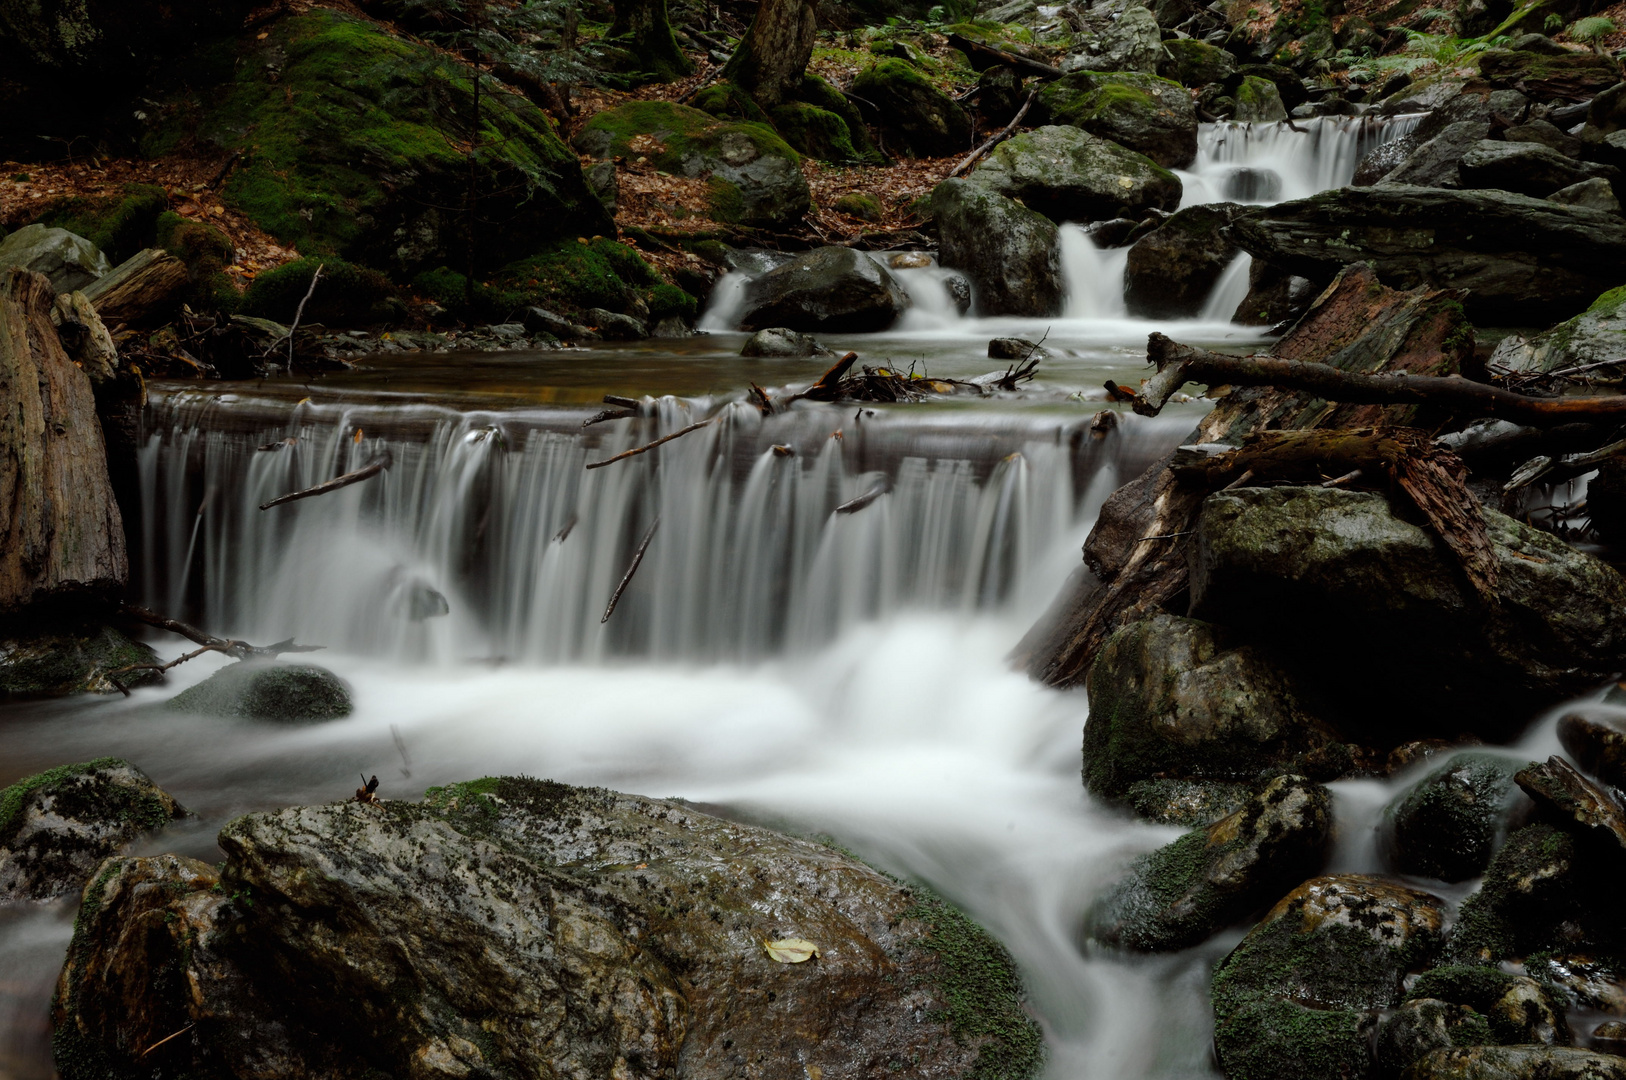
(371,469)
(852,506)
(999,137)
(992,56)
(647,447)
(759,397)
(299,313)
(608,414)
(1179,364)
(626,579)
(826,388)
(232,647)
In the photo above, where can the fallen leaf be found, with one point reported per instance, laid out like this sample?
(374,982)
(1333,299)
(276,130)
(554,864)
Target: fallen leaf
(791,950)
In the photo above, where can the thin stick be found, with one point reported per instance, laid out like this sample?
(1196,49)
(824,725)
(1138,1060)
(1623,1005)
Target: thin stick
(166,1039)
(626,579)
(647,447)
(999,137)
(852,506)
(371,469)
(299,313)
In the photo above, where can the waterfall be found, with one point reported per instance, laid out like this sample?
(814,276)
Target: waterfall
(1229,291)
(1094,276)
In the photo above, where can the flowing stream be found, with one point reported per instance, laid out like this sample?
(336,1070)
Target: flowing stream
(843,673)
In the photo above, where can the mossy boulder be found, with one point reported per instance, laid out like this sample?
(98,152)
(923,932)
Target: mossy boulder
(1169,700)
(1298,999)
(1422,1025)
(571,275)
(1172,269)
(207,252)
(1533,899)
(1145,113)
(525,927)
(1067,174)
(815,91)
(1517,1009)
(1007,250)
(347,294)
(918,119)
(70,261)
(1194,63)
(56,826)
(726,101)
(1595,335)
(1183,893)
(357,143)
(752,176)
(1450,823)
(259,690)
(1518,1063)
(1258,102)
(815,132)
(1572,76)
(1186,802)
(858,204)
(120,224)
(71,658)
(830,289)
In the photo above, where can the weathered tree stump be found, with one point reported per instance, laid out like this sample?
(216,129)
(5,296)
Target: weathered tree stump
(145,287)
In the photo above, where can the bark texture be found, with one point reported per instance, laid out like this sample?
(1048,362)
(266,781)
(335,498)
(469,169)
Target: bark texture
(773,56)
(144,287)
(642,25)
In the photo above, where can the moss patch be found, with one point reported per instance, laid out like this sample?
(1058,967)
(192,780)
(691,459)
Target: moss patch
(347,295)
(81,796)
(121,225)
(207,252)
(728,102)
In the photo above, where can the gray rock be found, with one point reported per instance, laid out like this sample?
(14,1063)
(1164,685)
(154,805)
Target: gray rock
(1172,269)
(57,660)
(1007,250)
(1186,803)
(782,341)
(1131,42)
(1595,335)
(1458,103)
(1258,102)
(1526,167)
(1067,174)
(614,326)
(603,182)
(259,690)
(671,328)
(1274,298)
(1014,348)
(1194,63)
(1545,133)
(56,827)
(1594,194)
(1182,894)
(542,321)
(1423,1025)
(1450,823)
(1144,113)
(1436,163)
(1533,899)
(1517,1063)
(521,927)
(1537,43)
(71,262)
(1384,159)
(830,288)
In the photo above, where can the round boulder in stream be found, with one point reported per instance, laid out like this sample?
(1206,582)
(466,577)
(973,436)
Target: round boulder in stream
(830,288)
(1007,250)
(258,690)
(519,927)
(1067,174)
(1449,824)
(1173,268)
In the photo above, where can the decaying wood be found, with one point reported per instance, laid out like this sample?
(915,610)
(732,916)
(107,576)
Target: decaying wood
(366,472)
(632,568)
(85,337)
(760,398)
(608,414)
(647,447)
(144,288)
(1556,470)
(829,384)
(60,528)
(992,56)
(1000,136)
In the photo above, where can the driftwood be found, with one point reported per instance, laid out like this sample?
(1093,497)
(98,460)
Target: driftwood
(1179,364)
(632,568)
(232,647)
(647,447)
(991,56)
(609,414)
(998,137)
(144,288)
(366,472)
(828,386)
(840,383)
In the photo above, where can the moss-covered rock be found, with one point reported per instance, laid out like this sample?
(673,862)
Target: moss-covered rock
(1595,335)
(1516,1007)
(1532,889)
(830,289)
(71,658)
(919,119)
(726,101)
(207,252)
(1185,802)
(858,204)
(1450,823)
(120,225)
(56,826)
(1422,1025)
(1258,102)
(357,143)
(1194,63)
(1121,37)
(1007,250)
(753,177)
(571,275)
(1147,114)
(1517,1063)
(1067,174)
(815,91)
(815,132)
(346,295)
(257,690)
(1181,894)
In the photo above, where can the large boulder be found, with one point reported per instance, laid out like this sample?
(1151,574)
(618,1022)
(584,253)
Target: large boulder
(1298,999)
(1521,257)
(1571,76)
(1526,167)
(1173,268)
(1169,700)
(1422,1025)
(62,657)
(1516,1008)
(1437,162)
(752,176)
(71,262)
(1149,115)
(1450,823)
(1067,174)
(919,119)
(1320,572)
(1007,250)
(260,690)
(1596,335)
(833,289)
(350,141)
(1258,101)
(1130,41)
(525,928)
(1194,63)
(56,827)
(1180,895)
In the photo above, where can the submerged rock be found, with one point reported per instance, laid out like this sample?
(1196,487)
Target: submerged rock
(1007,250)
(1067,174)
(782,341)
(522,927)
(71,262)
(261,690)
(1449,824)
(830,289)
(57,826)
(1179,895)
(1518,1063)
(69,659)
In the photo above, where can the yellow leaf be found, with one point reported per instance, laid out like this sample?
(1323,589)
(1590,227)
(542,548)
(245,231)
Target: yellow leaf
(791,950)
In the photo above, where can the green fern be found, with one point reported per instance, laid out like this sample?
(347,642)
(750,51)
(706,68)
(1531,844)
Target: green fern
(1592,30)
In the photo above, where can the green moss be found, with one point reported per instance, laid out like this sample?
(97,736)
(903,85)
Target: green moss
(296,693)
(981,992)
(121,225)
(1609,304)
(668,300)
(815,91)
(726,101)
(1448,824)
(860,205)
(13,797)
(815,132)
(207,252)
(346,295)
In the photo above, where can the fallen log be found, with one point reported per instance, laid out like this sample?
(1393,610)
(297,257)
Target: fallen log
(145,287)
(991,56)
(1179,364)
(1000,136)
(626,579)
(371,469)
(232,647)
(647,447)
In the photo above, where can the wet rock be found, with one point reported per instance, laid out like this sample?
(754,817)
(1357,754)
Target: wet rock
(1609,1037)
(1376,589)
(752,176)
(1577,804)
(1517,1063)
(1186,802)
(1414,752)
(542,321)
(1437,162)
(919,119)
(1181,894)
(1195,63)
(999,94)
(1258,102)
(614,326)
(1384,159)
(1597,742)
(1144,113)
(56,827)
(1169,701)
(1172,270)
(1449,824)
(1422,1025)
(1007,250)
(1274,296)
(1526,167)
(1299,996)
(537,929)
(1130,42)
(1589,981)
(1533,899)
(71,262)
(1067,174)
(1545,134)
(1516,1008)
(602,181)
(1594,194)
(1573,76)
(1497,244)
(1014,348)
(68,658)
(1596,335)
(260,690)
(830,289)
(782,341)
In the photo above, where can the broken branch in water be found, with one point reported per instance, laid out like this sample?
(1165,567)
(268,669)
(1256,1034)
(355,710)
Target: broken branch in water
(609,414)
(232,647)
(626,579)
(647,447)
(828,386)
(371,469)
(852,506)
(999,137)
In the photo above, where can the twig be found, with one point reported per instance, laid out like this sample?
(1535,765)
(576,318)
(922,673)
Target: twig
(166,1039)
(635,451)
(1000,136)
(299,313)
(564,533)
(608,414)
(371,469)
(626,579)
(852,506)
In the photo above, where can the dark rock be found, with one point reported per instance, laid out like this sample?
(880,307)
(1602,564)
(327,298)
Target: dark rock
(1194,63)
(1168,701)
(256,690)
(1526,167)
(1274,296)
(1422,1025)
(1014,348)
(1610,1037)
(1288,85)
(71,262)
(1462,104)
(1449,824)
(919,119)
(1517,1063)
(1172,270)
(1594,336)
(68,658)
(1298,997)
(1437,162)
(1516,1007)
(1537,43)
(1384,159)
(999,94)
(1113,232)
(1534,898)
(528,927)
(1575,803)
(542,321)
(614,326)
(1597,742)
(602,179)
(1144,113)
(1523,258)
(1067,174)
(781,341)
(1606,500)
(1186,803)
(1546,134)
(830,289)
(1180,895)
(1008,251)
(1574,76)
(1415,752)
(56,827)
(1595,194)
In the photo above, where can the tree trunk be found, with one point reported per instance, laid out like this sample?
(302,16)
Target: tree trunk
(642,27)
(773,55)
(61,535)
